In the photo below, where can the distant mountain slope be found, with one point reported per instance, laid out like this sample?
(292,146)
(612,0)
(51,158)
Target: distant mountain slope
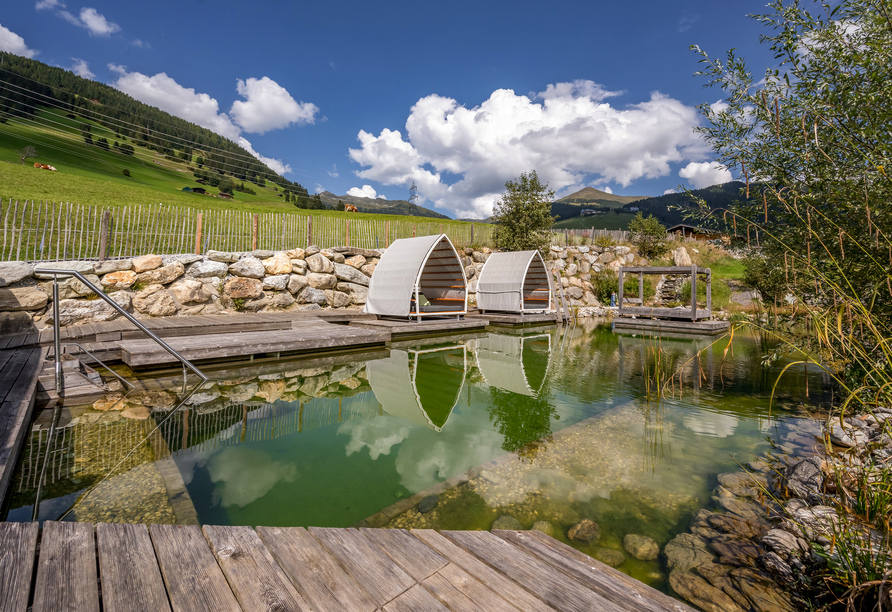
(380,206)
(590,195)
(717,196)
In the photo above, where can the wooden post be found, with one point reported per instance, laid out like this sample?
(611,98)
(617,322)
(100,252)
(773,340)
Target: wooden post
(693,292)
(386,234)
(709,291)
(198,234)
(347,232)
(591,239)
(620,293)
(472,235)
(309,230)
(103,234)
(255,224)
(414,229)
(641,288)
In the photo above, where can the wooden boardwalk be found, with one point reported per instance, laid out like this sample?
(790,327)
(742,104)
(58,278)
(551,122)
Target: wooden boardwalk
(697,328)
(507,319)
(124,567)
(19,370)
(402,329)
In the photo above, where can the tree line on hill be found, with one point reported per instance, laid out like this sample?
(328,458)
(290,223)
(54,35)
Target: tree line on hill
(28,84)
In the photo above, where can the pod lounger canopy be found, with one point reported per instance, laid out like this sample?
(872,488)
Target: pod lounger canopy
(515,282)
(418,277)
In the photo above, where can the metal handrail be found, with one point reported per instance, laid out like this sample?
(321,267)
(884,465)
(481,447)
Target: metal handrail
(97,360)
(99,292)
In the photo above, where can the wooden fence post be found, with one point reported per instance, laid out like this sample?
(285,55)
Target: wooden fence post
(386,234)
(254,227)
(309,230)
(414,230)
(472,235)
(103,234)
(198,233)
(347,234)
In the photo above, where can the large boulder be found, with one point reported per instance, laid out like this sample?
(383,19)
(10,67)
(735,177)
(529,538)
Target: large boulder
(296,283)
(279,263)
(119,280)
(250,267)
(575,293)
(350,274)
(162,276)
(311,295)
(280,301)
(72,287)
(22,298)
(358,293)
(686,551)
(76,312)
(606,257)
(805,479)
(336,299)
(239,288)
(207,269)
(155,301)
(190,291)
(571,269)
(84,267)
(146,263)
(14,271)
(311,250)
(680,257)
(222,256)
(320,264)
(298,266)
(357,261)
(322,281)
(296,254)
(276,283)
(369,269)
(699,592)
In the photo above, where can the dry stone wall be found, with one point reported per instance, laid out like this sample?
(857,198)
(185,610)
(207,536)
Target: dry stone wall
(258,281)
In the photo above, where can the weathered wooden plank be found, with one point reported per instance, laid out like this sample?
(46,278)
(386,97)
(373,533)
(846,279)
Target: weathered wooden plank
(314,572)
(194,581)
(554,587)
(410,553)
(498,582)
(147,352)
(6,359)
(461,592)
(669,313)
(381,578)
(130,576)
(598,576)
(18,542)
(253,575)
(66,573)
(416,599)
(20,378)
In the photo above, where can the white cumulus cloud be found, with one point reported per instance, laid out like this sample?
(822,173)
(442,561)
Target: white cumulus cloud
(81,68)
(367,191)
(269,106)
(165,93)
(566,133)
(49,4)
(15,44)
(96,23)
(705,174)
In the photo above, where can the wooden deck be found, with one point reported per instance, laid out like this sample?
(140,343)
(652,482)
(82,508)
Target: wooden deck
(401,329)
(191,569)
(505,319)
(19,369)
(309,337)
(710,328)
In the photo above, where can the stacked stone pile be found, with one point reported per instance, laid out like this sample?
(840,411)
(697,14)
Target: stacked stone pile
(222,283)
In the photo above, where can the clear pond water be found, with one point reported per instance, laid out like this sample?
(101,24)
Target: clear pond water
(563,414)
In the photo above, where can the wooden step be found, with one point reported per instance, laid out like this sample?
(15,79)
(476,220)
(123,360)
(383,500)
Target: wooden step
(309,338)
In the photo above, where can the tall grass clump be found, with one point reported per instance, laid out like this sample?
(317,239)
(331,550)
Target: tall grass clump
(810,139)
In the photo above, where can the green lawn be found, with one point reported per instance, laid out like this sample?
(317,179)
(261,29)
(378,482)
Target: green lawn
(608,221)
(92,176)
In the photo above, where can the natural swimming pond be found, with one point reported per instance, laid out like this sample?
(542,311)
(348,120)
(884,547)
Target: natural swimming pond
(546,425)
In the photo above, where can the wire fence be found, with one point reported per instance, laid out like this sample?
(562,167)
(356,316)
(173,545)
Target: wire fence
(61,231)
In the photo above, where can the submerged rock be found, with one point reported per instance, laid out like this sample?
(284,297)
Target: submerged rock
(506,521)
(585,532)
(428,503)
(687,551)
(700,593)
(641,547)
(545,527)
(608,556)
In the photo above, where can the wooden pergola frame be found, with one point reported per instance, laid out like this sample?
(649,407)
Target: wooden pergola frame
(694,314)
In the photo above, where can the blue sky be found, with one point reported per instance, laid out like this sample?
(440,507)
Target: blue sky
(365,97)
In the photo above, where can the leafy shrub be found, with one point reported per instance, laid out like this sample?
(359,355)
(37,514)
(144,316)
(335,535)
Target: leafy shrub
(649,235)
(604,241)
(721,293)
(125,172)
(765,277)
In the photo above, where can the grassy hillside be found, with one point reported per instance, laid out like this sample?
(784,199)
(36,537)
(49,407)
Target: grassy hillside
(380,205)
(592,196)
(672,208)
(609,221)
(88,174)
